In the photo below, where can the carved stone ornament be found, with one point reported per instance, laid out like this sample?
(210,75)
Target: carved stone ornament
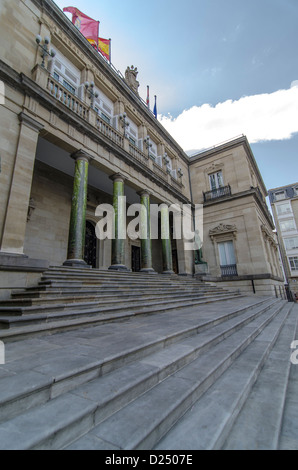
(223,229)
(131,74)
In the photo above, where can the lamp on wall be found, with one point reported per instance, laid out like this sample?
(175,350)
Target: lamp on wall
(44,48)
(125,124)
(148,144)
(91,92)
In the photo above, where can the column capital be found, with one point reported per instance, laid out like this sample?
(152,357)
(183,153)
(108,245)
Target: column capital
(81,155)
(118,177)
(144,193)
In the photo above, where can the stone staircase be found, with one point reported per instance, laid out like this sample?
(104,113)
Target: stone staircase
(210,375)
(67,298)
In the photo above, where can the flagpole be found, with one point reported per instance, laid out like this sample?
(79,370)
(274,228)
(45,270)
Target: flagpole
(110,50)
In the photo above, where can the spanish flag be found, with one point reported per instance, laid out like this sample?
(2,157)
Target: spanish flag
(104,46)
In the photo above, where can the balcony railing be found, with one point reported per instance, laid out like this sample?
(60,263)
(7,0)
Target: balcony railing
(217,193)
(229,270)
(79,107)
(67,98)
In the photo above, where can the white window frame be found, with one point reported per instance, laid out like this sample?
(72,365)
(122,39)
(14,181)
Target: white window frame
(291,241)
(280,195)
(216,180)
(286,205)
(287,229)
(293,263)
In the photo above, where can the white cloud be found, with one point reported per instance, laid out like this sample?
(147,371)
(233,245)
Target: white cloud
(261,117)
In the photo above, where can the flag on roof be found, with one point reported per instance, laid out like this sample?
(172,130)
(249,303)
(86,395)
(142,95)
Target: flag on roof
(148,101)
(103,46)
(155,108)
(86,25)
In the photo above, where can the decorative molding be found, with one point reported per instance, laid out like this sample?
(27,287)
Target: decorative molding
(223,229)
(30,122)
(268,236)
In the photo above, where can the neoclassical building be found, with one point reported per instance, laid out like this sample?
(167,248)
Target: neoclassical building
(76,139)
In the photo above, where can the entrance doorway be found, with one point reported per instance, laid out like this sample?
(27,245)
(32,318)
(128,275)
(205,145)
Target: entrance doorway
(90,245)
(135,258)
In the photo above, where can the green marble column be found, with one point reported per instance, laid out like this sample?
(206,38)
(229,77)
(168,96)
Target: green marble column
(118,243)
(145,229)
(77,226)
(166,241)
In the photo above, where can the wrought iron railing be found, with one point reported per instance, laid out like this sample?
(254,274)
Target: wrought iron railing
(217,193)
(229,270)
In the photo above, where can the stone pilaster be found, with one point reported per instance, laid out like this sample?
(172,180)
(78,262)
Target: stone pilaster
(118,243)
(18,201)
(145,229)
(77,226)
(166,241)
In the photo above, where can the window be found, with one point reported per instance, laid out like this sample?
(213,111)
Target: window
(56,76)
(283,209)
(295,191)
(106,118)
(216,180)
(69,87)
(291,243)
(293,260)
(280,195)
(287,225)
(227,258)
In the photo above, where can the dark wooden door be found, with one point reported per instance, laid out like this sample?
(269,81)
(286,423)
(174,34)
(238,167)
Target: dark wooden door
(90,245)
(135,258)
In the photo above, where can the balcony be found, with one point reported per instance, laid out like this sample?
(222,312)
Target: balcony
(217,193)
(83,110)
(229,270)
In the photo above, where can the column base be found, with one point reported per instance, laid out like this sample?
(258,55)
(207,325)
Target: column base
(76,263)
(119,267)
(168,272)
(148,271)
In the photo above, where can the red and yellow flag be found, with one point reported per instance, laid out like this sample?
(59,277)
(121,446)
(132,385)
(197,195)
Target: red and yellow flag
(104,46)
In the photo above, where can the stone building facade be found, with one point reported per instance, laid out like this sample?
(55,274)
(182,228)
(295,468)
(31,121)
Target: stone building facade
(284,204)
(75,136)
(239,243)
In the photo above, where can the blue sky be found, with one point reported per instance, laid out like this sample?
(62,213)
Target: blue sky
(219,68)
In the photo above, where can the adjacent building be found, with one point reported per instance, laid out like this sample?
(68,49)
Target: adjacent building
(76,139)
(239,246)
(284,203)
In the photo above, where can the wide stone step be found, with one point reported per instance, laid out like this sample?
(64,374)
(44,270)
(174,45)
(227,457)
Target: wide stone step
(32,306)
(142,422)
(258,425)
(53,425)
(13,327)
(209,423)
(22,390)
(48,291)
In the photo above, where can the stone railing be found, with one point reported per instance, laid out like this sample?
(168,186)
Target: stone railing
(67,98)
(138,154)
(110,132)
(73,103)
